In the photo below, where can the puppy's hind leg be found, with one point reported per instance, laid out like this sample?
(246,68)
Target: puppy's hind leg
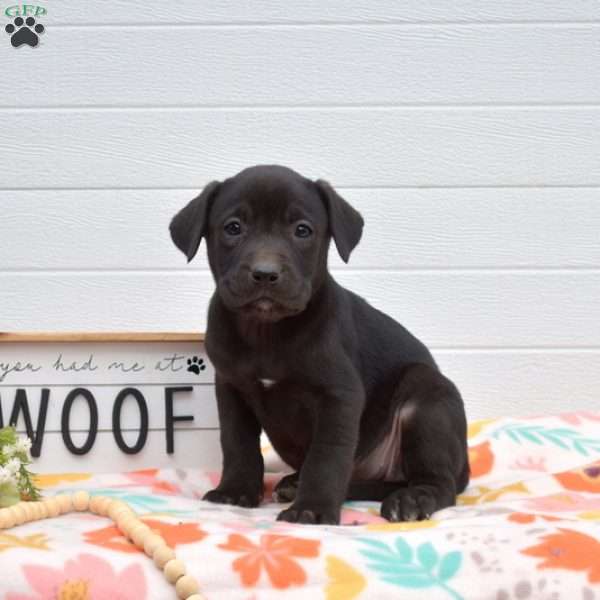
(286,488)
(433,458)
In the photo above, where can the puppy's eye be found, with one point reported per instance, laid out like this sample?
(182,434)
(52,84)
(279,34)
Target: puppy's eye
(233,227)
(303,231)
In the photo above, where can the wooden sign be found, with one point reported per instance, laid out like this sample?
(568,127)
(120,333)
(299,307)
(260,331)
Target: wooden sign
(110,402)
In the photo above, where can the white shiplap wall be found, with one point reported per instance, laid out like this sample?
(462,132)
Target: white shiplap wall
(467,133)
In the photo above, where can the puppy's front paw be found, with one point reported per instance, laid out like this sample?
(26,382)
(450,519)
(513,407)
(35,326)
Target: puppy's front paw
(309,514)
(409,504)
(240,497)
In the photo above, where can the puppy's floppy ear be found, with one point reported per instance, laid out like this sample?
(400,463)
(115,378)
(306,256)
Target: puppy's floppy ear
(189,225)
(345,223)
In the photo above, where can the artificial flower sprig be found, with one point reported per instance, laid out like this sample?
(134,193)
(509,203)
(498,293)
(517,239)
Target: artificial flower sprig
(16,482)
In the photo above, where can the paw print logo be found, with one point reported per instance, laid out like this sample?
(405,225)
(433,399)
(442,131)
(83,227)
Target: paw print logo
(195,365)
(24,32)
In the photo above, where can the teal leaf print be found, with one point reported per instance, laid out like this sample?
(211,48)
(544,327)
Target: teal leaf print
(382,546)
(418,580)
(406,567)
(403,549)
(567,439)
(449,565)
(427,556)
(140,503)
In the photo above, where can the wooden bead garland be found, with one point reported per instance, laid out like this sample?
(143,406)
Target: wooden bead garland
(162,555)
(173,570)
(153,545)
(139,535)
(19,513)
(81,501)
(65,502)
(186,586)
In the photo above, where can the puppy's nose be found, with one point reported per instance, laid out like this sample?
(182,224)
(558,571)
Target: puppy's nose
(265,272)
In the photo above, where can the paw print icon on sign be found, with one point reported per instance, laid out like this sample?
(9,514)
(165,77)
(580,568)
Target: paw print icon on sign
(24,32)
(195,365)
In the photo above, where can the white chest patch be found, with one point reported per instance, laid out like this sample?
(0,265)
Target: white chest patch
(268,382)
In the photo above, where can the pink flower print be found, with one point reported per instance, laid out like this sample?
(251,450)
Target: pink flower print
(530,463)
(575,418)
(563,501)
(351,516)
(85,576)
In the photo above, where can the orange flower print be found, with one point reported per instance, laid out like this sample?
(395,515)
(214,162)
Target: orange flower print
(570,550)
(586,479)
(110,537)
(481,459)
(518,517)
(149,477)
(275,554)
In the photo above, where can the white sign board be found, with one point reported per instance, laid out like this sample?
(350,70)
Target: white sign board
(110,402)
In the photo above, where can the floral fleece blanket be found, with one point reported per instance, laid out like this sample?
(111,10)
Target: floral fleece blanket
(528,526)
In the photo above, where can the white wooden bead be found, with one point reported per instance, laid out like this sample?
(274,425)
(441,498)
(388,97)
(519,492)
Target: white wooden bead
(173,570)
(152,542)
(10,519)
(125,516)
(4,518)
(41,510)
(137,524)
(116,508)
(186,586)
(94,504)
(7,518)
(65,502)
(162,555)
(140,534)
(52,507)
(35,510)
(120,512)
(126,524)
(81,501)
(19,513)
(196,597)
(29,511)
(116,503)
(105,506)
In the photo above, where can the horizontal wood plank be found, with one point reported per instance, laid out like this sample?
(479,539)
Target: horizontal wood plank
(405,229)
(312,66)
(185,12)
(351,147)
(523,382)
(455,309)
(50,337)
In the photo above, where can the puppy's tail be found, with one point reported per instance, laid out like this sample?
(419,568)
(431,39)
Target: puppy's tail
(372,490)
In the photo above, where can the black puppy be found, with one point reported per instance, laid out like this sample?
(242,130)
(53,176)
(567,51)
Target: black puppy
(348,397)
